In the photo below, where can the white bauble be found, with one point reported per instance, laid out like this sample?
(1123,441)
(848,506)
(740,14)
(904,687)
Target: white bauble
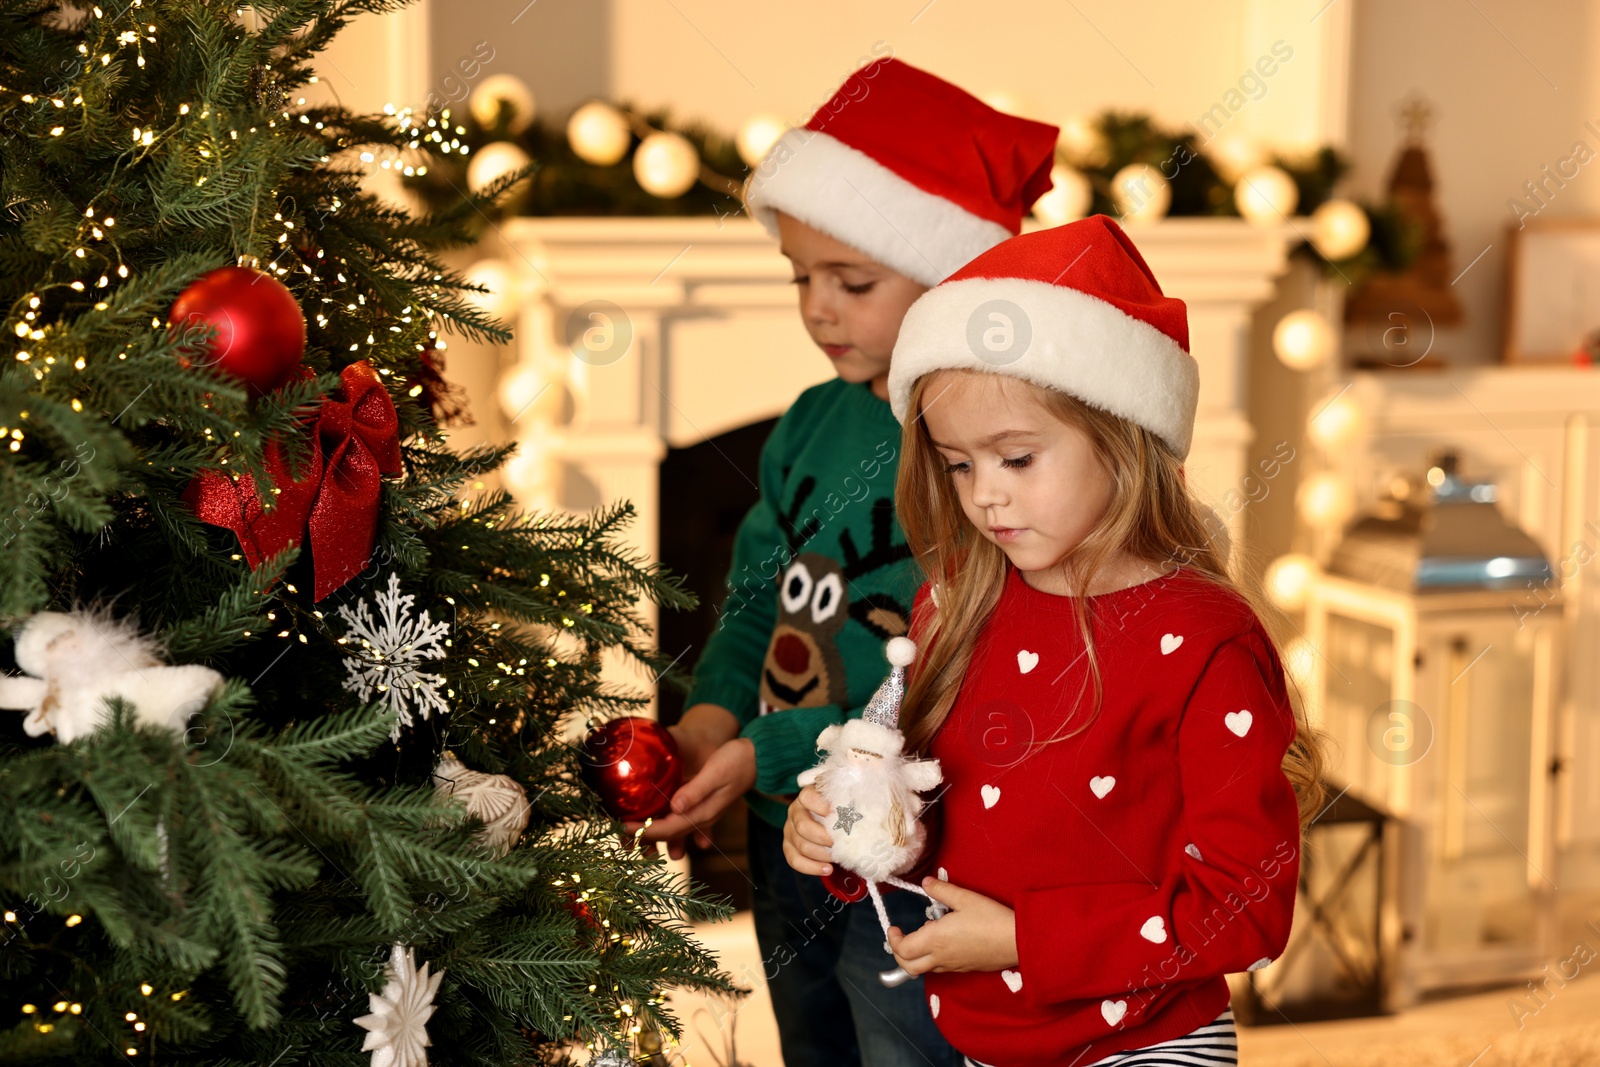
(497,90)
(504,284)
(1339,229)
(1141,194)
(1303,339)
(1266,195)
(599,133)
(757,136)
(494,161)
(1069,198)
(1288,580)
(666,165)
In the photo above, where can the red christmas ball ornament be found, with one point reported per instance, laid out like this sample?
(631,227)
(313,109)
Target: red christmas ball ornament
(634,764)
(580,909)
(260,330)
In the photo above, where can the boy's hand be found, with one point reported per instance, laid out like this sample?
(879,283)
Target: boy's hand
(978,934)
(700,731)
(807,845)
(727,774)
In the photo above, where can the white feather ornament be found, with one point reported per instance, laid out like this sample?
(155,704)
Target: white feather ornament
(75,661)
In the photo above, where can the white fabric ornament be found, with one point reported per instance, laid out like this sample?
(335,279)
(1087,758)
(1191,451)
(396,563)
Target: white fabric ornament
(498,801)
(873,788)
(398,1034)
(77,660)
(385,655)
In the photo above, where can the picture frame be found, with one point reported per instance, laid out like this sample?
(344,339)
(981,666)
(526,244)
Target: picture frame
(1553,292)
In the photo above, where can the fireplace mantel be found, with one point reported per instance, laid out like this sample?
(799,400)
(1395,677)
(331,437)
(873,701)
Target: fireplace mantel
(717,344)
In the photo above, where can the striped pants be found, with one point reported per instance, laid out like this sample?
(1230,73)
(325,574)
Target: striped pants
(1212,1045)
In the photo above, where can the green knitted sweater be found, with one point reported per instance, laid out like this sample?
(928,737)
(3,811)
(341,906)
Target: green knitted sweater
(821,578)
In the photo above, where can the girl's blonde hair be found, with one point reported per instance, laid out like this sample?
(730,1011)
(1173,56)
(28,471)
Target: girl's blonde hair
(1151,516)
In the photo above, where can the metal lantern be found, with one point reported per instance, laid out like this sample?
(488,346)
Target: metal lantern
(1434,637)
(1341,954)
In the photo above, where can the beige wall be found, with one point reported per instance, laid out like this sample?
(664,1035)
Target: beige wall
(1512,82)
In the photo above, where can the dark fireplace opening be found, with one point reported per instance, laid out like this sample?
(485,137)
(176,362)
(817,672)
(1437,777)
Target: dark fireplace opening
(706,489)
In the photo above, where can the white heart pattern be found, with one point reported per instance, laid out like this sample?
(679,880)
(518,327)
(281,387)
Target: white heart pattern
(991,795)
(1238,722)
(1012,979)
(1154,929)
(1258,964)
(1102,785)
(1027,661)
(1194,851)
(1170,643)
(933,1004)
(1113,1011)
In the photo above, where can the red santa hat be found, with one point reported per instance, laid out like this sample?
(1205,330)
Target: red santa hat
(907,168)
(1073,308)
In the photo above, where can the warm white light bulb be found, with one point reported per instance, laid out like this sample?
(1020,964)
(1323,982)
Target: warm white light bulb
(1303,339)
(599,133)
(666,165)
(1266,195)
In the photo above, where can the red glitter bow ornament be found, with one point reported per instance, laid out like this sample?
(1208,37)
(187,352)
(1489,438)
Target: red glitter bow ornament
(355,441)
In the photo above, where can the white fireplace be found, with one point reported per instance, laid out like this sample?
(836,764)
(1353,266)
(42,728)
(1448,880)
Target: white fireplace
(688,328)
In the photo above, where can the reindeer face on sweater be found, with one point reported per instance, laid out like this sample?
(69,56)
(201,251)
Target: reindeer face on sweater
(803,667)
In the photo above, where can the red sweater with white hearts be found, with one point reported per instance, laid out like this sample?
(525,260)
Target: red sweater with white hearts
(1145,855)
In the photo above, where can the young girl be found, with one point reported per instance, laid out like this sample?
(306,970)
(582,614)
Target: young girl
(1125,783)
(897,181)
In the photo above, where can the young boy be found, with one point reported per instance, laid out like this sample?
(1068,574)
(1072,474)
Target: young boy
(897,181)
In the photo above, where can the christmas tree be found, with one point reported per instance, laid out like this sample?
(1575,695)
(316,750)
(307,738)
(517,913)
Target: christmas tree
(286,780)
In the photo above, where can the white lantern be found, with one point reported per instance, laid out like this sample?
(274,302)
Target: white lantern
(1083,142)
(599,133)
(1288,578)
(494,161)
(1337,422)
(1069,198)
(1141,194)
(1339,229)
(505,288)
(1325,499)
(1265,195)
(757,136)
(502,89)
(1234,155)
(666,165)
(1303,339)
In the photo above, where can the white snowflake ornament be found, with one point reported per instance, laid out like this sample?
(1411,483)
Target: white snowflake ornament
(397,1028)
(385,656)
(497,800)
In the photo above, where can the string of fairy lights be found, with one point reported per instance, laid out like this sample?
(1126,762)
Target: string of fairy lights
(45,1017)
(95,245)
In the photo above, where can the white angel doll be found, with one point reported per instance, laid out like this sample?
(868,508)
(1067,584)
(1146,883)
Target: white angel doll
(873,789)
(75,661)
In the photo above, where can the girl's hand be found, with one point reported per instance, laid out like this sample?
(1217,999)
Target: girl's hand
(978,934)
(807,845)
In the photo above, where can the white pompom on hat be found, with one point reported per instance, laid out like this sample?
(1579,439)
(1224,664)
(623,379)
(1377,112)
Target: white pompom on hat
(1073,308)
(907,168)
